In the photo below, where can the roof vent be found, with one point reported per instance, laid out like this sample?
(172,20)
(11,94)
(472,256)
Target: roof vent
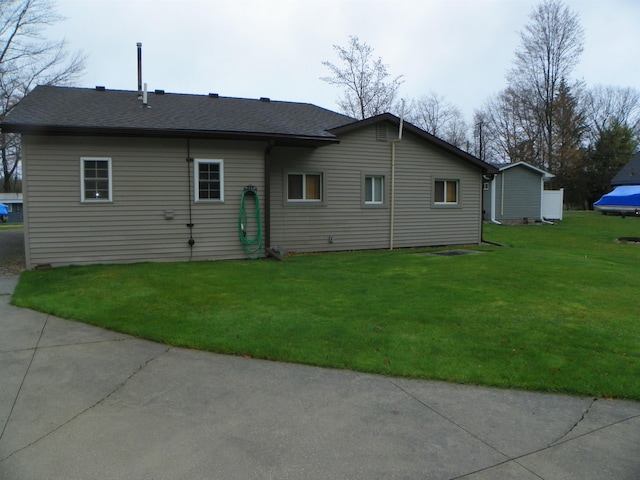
(159,92)
(100,88)
(265,99)
(213,95)
(381,132)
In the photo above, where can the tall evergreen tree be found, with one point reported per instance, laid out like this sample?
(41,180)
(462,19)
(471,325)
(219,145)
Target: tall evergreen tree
(569,128)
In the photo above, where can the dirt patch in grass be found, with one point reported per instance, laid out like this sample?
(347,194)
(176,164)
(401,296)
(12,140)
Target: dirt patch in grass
(451,253)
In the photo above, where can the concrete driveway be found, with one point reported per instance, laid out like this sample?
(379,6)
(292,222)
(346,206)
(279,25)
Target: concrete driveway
(79,402)
(11,252)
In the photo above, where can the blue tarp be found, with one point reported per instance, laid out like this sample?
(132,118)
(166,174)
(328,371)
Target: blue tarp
(4,210)
(625,198)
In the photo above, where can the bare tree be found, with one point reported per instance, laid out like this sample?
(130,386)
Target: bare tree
(551,45)
(27,59)
(605,105)
(440,118)
(509,127)
(368,90)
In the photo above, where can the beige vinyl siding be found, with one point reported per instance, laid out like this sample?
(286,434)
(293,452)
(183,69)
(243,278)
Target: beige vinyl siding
(150,177)
(350,225)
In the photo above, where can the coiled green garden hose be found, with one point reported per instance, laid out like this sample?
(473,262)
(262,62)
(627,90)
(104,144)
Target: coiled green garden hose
(252,246)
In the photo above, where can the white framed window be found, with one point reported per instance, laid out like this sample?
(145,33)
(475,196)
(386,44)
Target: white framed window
(209,180)
(304,187)
(445,192)
(95,179)
(373,189)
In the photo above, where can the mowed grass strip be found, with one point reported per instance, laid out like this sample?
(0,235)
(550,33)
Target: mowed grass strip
(555,309)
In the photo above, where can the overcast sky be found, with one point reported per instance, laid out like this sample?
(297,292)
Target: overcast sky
(460,49)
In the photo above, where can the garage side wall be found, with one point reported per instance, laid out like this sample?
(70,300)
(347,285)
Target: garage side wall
(150,209)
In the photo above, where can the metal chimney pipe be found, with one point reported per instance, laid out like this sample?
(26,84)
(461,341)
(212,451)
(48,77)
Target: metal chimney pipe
(139,45)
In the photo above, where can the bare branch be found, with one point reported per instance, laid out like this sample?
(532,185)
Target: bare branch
(368,91)
(27,59)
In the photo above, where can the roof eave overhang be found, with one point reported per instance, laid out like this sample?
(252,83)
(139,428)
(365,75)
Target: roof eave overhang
(275,138)
(544,173)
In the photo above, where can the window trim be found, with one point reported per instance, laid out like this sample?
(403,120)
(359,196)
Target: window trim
(196,179)
(373,204)
(304,201)
(83,191)
(445,203)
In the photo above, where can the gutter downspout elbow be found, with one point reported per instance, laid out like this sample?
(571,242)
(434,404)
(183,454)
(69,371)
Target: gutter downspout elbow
(542,201)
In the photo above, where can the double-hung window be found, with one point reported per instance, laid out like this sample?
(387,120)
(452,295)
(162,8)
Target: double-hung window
(304,187)
(373,189)
(95,178)
(446,192)
(209,180)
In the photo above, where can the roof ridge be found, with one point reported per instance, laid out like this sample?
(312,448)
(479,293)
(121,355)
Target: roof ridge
(158,91)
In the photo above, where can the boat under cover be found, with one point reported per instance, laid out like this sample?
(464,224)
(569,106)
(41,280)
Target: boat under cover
(623,200)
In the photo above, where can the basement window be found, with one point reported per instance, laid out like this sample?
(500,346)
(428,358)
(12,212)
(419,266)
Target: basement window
(95,174)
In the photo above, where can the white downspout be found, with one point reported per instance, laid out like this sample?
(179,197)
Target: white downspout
(393,190)
(493,200)
(393,177)
(542,200)
(502,179)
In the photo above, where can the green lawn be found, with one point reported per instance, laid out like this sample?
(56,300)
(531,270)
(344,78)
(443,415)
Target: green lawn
(10,226)
(555,309)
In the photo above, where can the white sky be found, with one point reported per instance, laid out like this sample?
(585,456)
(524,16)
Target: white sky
(460,49)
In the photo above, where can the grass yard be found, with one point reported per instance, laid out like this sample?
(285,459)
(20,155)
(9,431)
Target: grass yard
(10,226)
(555,309)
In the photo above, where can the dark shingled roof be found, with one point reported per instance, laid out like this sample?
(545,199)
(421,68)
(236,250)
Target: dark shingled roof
(51,110)
(66,110)
(630,173)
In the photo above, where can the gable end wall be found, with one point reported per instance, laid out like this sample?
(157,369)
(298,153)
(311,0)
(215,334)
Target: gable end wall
(342,222)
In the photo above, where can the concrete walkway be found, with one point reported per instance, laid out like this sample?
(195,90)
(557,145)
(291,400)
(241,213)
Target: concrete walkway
(79,402)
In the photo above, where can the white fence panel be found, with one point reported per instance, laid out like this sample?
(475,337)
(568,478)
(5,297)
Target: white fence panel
(552,201)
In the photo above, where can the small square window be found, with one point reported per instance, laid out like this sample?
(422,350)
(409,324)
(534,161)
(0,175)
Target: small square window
(446,192)
(373,190)
(304,187)
(95,179)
